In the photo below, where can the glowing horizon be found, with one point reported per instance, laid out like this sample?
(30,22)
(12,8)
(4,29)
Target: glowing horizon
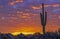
(25,33)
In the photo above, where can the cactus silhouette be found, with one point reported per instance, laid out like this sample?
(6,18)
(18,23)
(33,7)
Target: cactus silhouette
(43,16)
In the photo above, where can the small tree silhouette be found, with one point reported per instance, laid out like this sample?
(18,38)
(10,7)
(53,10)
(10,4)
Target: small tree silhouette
(43,16)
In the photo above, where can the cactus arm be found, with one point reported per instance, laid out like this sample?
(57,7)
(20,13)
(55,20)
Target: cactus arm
(42,19)
(45,17)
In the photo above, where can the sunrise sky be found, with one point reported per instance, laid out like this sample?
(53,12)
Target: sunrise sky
(24,15)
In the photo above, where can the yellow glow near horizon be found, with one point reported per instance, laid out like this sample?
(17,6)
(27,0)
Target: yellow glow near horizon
(25,33)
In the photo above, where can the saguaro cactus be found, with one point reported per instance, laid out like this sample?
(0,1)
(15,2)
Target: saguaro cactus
(43,16)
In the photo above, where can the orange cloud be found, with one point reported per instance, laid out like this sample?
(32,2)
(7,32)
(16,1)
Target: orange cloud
(12,3)
(19,12)
(22,14)
(25,16)
(35,14)
(27,10)
(11,21)
(19,1)
(2,18)
(13,18)
(39,7)
(36,7)
(47,5)
(55,5)
(59,17)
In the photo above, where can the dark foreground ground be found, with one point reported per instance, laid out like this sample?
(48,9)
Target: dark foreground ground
(49,35)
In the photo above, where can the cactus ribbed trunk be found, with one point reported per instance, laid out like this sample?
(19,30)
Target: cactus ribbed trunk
(43,29)
(43,16)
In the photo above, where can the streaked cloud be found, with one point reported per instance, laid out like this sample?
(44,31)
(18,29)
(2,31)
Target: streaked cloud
(19,1)
(59,17)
